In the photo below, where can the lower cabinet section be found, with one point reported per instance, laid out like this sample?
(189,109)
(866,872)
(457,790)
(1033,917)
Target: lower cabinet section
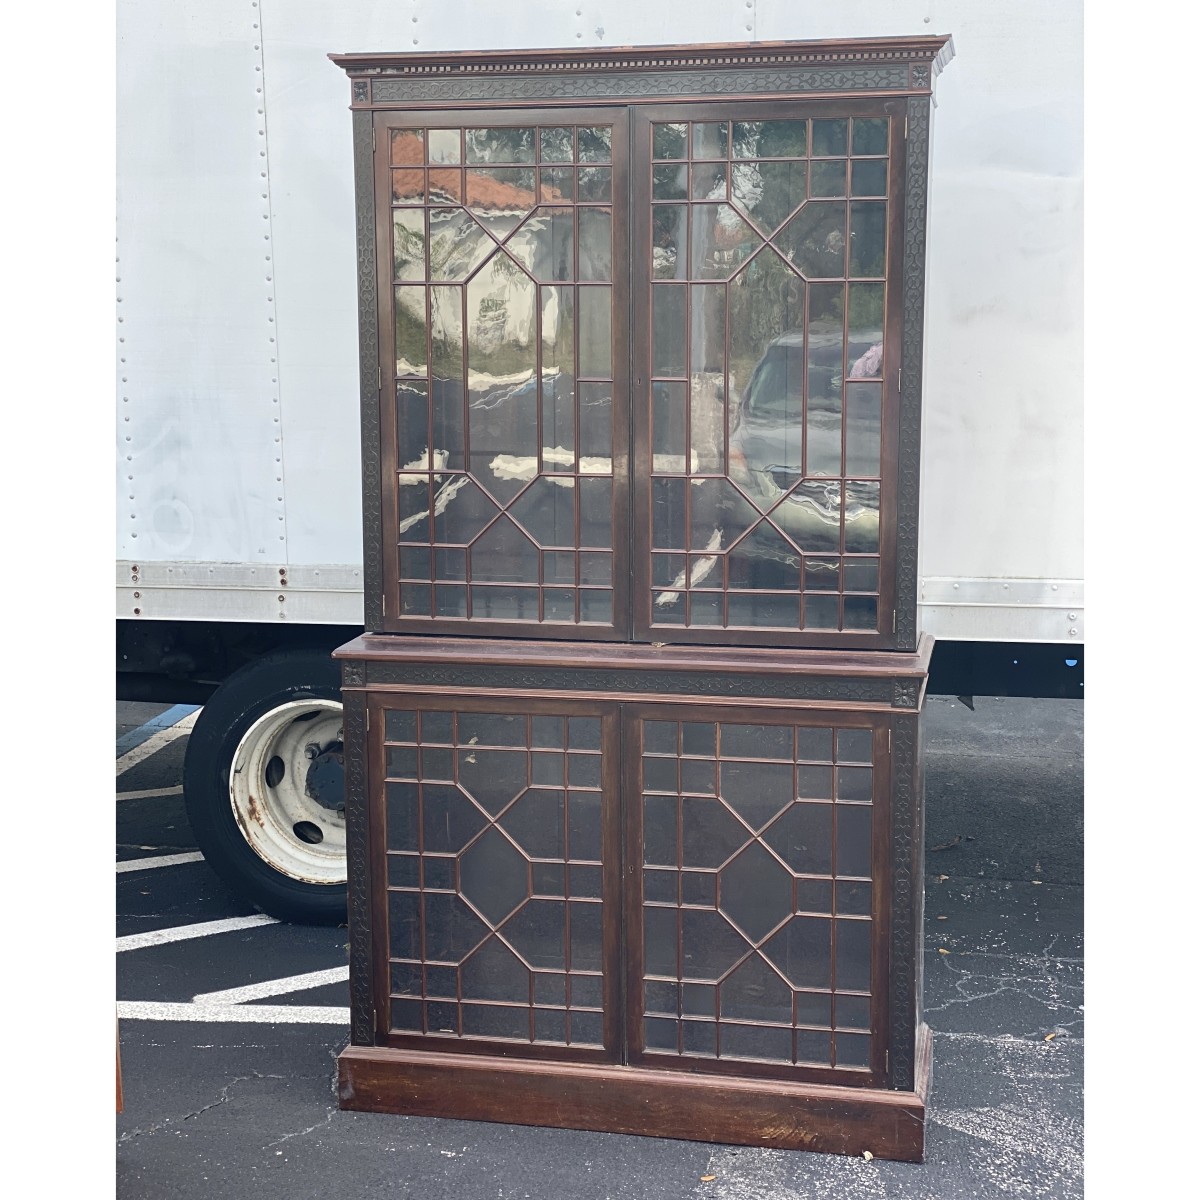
(669,914)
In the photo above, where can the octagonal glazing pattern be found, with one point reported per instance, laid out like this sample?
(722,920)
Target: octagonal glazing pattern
(758,897)
(495,882)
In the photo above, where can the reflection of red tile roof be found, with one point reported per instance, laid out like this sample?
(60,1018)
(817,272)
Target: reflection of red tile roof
(407,148)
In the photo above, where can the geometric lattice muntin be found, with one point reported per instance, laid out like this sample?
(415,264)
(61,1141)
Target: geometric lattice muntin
(502,251)
(495,895)
(757,892)
(769,243)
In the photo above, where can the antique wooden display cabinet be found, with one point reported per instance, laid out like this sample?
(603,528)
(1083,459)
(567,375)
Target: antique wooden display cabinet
(633,766)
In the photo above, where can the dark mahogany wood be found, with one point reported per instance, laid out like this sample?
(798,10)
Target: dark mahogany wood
(774,1114)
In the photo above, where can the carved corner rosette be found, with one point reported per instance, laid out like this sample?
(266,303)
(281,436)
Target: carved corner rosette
(906,693)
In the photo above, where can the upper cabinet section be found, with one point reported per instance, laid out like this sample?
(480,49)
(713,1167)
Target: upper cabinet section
(641,341)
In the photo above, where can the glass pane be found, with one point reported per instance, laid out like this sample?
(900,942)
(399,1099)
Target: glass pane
(670,232)
(829,137)
(501,197)
(457,245)
(670,183)
(869,178)
(445,187)
(545,244)
(408,147)
(595,428)
(710,140)
(862,517)
(514,145)
(769,191)
(667,427)
(595,331)
(863,417)
(595,243)
(595,183)
(412,426)
(721,241)
(668,329)
(862,574)
(412,357)
(595,144)
(445,146)
(408,187)
(558,144)
(709,182)
(870,135)
(670,141)
(556,184)
(864,351)
(770,139)
(558,368)
(546,511)
(829,178)
(854,835)
(868,237)
(815,239)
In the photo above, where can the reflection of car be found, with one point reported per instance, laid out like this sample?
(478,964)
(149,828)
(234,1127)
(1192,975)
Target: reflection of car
(766,443)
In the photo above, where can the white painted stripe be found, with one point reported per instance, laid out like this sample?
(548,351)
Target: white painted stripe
(275,987)
(181,933)
(263,1014)
(163,860)
(164,737)
(146,793)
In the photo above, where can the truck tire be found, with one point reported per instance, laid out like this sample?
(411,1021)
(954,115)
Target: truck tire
(262,784)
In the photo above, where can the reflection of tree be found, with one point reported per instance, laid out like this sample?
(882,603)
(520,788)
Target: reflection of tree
(766,300)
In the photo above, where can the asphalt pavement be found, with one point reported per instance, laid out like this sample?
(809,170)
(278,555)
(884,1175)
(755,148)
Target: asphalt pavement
(231,1023)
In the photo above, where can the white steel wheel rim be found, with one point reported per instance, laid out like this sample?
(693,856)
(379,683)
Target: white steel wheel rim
(287,827)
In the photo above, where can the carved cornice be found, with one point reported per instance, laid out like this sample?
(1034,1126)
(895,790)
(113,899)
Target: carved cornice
(869,64)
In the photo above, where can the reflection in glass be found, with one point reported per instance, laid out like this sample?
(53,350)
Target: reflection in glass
(670,183)
(457,245)
(412,425)
(861,612)
(411,355)
(595,244)
(668,329)
(710,140)
(558,144)
(408,187)
(829,178)
(721,241)
(595,144)
(408,242)
(595,331)
(863,417)
(512,145)
(708,182)
(670,141)
(813,517)
(862,574)
(869,178)
(870,135)
(501,197)
(667,432)
(408,147)
(864,352)
(868,237)
(595,183)
(770,139)
(545,244)
(445,187)
(546,511)
(504,555)
(829,137)
(595,427)
(444,146)
(815,239)
(558,365)
(862,517)
(769,191)
(670,232)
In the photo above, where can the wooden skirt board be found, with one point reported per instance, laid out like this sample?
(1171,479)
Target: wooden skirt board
(775,1114)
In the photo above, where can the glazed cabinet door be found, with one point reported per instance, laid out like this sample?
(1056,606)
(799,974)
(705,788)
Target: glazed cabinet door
(496,863)
(758,851)
(501,241)
(767,265)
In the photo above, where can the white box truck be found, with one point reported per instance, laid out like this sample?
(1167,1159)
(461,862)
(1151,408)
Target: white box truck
(237,468)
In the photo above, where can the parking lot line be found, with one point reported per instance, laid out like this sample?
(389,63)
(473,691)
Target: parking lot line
(183,717)
(162,860)
(275,987)
(268,1014)
(181,933)
(147,793)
